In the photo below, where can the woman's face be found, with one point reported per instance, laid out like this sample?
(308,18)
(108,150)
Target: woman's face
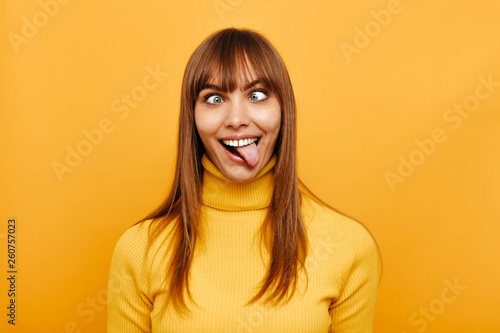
(239,129)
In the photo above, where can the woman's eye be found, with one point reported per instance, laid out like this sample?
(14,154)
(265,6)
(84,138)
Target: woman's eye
(258,96)
(214,99)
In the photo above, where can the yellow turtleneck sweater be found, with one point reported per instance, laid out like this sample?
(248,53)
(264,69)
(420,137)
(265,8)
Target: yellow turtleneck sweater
(227,268)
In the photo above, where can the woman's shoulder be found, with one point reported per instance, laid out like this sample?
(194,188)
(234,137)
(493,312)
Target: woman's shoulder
(135,246)
(328,217)
(339,232)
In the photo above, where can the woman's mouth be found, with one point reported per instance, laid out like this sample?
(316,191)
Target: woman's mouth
(243,150)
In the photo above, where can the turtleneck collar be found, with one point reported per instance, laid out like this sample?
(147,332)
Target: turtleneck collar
(223,193)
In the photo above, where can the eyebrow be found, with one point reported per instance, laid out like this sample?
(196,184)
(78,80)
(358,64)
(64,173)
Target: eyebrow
(215,87)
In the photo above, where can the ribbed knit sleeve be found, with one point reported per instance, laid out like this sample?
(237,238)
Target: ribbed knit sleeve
(354,310)
(128,304)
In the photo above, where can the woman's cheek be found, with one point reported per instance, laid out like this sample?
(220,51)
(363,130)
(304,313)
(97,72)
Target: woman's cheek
(273,122)
(204,122)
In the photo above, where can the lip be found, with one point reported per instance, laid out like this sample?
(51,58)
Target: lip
(230,155)
(240,137)
(233,157)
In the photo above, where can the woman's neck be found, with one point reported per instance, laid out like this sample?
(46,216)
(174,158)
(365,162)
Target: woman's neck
(223,193)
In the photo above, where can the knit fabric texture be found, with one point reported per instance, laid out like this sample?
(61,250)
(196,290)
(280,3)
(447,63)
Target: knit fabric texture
(229,265)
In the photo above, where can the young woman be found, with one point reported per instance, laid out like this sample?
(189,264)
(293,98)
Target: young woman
(240,244)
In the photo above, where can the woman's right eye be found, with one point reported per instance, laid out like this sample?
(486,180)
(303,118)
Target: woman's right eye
(213,99)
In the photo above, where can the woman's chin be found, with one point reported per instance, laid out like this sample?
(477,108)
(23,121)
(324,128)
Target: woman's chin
(240,173)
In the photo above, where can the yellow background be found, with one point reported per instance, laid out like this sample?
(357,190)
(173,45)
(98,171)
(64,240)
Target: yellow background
(359,114)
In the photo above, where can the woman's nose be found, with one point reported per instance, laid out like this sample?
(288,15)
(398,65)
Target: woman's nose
(237,114)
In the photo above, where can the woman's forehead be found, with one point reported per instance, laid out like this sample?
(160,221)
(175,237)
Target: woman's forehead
(225,86)
(242,81)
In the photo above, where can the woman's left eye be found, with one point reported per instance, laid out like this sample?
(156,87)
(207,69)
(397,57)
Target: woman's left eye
(258,95)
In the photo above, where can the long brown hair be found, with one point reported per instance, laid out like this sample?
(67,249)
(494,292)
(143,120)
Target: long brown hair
(223,56)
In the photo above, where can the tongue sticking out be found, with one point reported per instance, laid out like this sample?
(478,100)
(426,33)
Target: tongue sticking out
(250,153)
